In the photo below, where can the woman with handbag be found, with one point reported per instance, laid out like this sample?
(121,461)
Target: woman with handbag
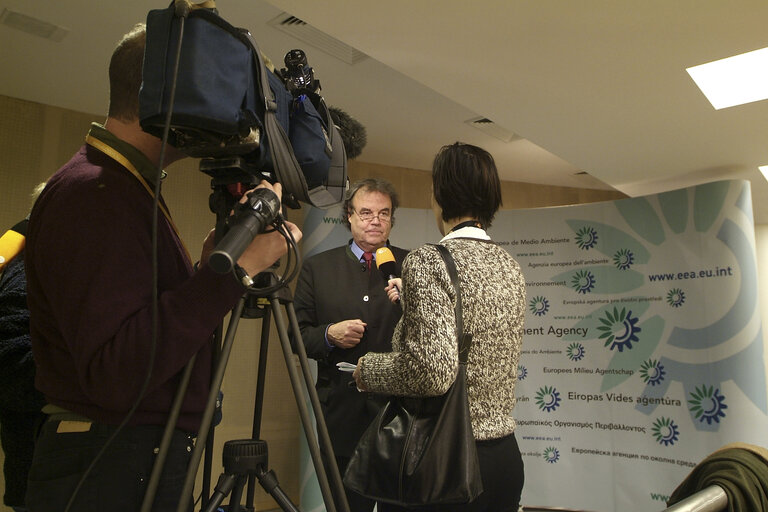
(466,194)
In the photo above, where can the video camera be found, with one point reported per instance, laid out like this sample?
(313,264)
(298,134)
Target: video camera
(208,87)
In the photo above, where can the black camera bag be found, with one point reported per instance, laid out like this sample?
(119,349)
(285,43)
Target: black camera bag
(226,102)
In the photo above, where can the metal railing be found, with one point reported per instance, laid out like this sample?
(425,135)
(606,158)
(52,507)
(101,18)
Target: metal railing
(709,499)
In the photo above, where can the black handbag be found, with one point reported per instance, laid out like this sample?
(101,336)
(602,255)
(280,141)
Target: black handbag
(421,451)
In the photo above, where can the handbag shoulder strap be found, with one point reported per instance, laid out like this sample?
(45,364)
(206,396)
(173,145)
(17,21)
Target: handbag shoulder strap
(465,339)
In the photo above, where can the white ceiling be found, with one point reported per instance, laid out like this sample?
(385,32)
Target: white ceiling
(590,86)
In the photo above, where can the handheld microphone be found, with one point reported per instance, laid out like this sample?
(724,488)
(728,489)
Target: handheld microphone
(385,261)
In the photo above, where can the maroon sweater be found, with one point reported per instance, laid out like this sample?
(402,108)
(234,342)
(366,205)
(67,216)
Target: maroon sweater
(89,278)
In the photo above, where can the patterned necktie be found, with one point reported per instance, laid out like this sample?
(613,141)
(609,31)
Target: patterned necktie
(368,256)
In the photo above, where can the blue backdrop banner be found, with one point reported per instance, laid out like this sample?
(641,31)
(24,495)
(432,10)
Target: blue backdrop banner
(643,347)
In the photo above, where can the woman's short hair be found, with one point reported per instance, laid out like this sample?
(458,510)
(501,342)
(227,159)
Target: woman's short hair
(370,185)
(465,183)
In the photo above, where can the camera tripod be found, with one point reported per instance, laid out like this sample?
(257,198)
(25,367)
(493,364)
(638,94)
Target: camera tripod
(245,461)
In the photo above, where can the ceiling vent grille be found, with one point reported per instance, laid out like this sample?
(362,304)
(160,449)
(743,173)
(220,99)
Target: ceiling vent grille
(488,127)
(32,25)
(303,31)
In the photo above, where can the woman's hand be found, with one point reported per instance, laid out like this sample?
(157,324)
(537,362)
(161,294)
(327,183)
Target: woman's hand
(358,378)
(393,288)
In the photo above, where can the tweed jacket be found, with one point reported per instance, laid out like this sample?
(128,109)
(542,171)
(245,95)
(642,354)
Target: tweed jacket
(424,357)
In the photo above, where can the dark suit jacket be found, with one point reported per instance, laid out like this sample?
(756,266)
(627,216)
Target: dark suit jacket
(334,286)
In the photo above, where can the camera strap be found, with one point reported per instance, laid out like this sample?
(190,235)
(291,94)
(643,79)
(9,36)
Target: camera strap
(122,160)
(288,171)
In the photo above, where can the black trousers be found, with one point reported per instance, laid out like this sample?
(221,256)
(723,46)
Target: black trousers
(119,480)
(501,467)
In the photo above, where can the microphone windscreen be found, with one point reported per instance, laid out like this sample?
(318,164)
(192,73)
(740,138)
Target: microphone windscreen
(383,255)
(351,130)
(385,261)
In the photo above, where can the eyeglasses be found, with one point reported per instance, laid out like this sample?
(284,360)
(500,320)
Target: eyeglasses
(367,215)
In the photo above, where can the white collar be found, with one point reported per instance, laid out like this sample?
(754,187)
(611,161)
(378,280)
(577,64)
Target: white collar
(467,232)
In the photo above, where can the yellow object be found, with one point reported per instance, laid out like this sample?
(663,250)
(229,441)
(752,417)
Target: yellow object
(68,427)
(11,244)
(384,255)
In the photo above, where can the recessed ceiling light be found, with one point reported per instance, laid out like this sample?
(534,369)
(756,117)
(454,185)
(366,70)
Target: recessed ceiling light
(764,170)
(490,128)
(733,81)
(299,29)
(33,26)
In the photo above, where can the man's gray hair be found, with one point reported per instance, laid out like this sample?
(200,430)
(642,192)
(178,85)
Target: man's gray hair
(370,185)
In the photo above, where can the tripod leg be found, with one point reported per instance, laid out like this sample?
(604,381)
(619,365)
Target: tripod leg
(268,481)
(260,376)
(223,487)
(210,441)
(165,442)
(205,425)
(237,492)
(258,405)
(322,428)
(312,443)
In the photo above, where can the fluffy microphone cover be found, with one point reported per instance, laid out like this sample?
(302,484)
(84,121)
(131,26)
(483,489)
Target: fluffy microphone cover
(352,132)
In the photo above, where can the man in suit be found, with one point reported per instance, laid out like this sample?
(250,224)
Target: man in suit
(343,313)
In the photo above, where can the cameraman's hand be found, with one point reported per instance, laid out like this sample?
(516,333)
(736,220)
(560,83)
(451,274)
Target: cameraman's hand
(266,248)
(209,244)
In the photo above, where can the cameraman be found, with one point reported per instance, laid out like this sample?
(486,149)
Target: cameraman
(89,266)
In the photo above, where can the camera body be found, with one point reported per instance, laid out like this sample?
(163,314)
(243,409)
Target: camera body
(217,100)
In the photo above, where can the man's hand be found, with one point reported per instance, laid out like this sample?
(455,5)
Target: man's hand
(209,244)
(346,334)
(265,249)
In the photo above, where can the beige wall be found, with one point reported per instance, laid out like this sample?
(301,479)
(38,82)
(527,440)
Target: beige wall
(36,139)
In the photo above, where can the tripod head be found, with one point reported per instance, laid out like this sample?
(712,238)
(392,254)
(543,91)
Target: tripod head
(245,456)
(265,284)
